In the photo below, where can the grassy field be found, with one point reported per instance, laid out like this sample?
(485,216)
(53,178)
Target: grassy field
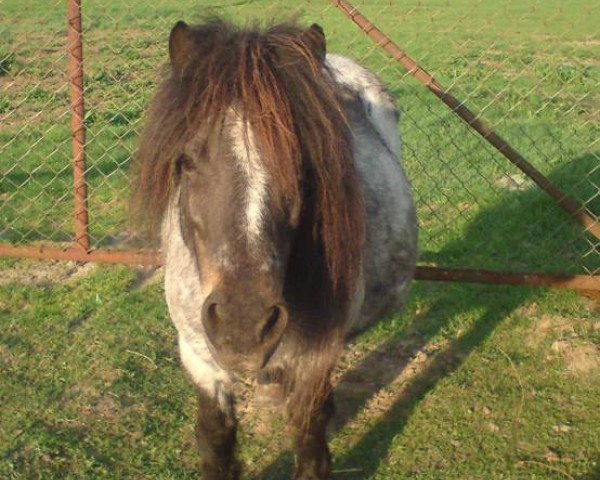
(470,382)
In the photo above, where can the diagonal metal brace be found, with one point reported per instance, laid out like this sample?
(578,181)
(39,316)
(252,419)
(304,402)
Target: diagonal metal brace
(578,212)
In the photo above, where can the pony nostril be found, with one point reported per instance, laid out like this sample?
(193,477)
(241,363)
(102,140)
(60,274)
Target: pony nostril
(269,324)
(212,316)
(274,324)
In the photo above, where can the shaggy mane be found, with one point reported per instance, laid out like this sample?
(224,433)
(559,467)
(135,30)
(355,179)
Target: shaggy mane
(275,79)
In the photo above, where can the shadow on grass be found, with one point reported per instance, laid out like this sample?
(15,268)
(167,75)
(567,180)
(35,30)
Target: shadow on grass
(38,202)
(368,453)
(594,474)
(527,231)
(514,222)
(390,361)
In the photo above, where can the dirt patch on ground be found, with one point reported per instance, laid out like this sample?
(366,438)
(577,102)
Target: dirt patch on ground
(559,326)
(587,43)
(93,404)
(551,325)
(580,359)
(591,301)
(35,272)
(107,409)
(6,357)
(569,342)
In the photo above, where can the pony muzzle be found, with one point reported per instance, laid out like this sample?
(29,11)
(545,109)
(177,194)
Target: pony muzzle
(243,336)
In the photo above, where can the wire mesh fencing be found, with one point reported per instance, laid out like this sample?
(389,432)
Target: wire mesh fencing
(530,69)
(35,160)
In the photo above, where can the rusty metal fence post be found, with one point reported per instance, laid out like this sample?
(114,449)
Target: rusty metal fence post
(75,59)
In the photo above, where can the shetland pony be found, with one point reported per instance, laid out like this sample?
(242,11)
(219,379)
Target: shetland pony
(271,171)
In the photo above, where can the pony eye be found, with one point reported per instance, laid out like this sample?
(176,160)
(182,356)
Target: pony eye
(193,157)
(185,163)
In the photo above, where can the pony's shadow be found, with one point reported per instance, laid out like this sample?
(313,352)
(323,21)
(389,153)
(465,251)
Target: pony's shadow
(594,474)
(375,444)
(397,358)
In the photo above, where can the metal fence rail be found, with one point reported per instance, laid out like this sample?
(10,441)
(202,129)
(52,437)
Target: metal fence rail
(526,92)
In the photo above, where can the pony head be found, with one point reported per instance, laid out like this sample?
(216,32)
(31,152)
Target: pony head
(248,138)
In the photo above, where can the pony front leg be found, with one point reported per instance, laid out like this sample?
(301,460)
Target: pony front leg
(309,408)
(312,456)
(216,424)
(216,436)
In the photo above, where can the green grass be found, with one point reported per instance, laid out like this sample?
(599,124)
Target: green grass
(469,382)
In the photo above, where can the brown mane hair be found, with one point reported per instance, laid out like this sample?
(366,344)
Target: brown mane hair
(275,78)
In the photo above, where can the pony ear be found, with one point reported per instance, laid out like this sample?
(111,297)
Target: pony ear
(315,37)
(180,44)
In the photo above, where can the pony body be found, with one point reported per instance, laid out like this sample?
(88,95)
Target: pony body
(316,235)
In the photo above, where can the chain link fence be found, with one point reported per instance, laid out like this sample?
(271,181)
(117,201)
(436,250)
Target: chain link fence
(530,69)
